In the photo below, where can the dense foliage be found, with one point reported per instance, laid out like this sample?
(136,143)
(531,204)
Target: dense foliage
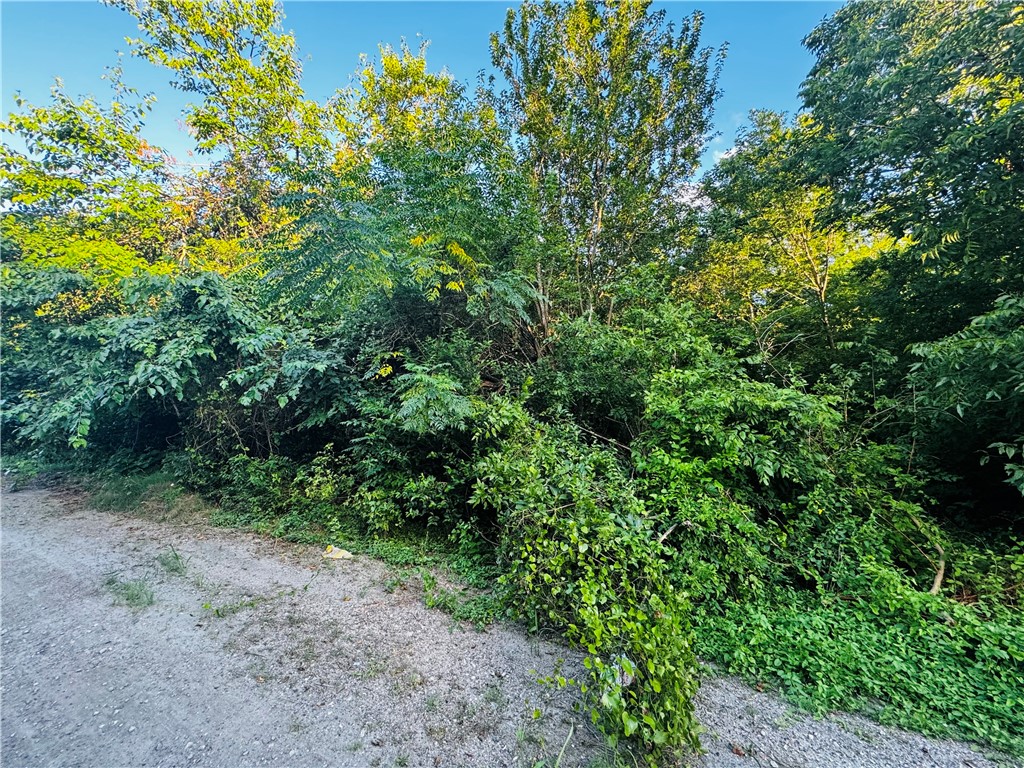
(773,420)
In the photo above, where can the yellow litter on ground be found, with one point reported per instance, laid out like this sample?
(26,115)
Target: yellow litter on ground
(334,553)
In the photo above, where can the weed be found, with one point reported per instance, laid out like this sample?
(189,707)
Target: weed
(305,652)
(480,610)
(185,508)
(42,469)
(128,493)
(788,718)
(394,552)
(861,733)
(432,702)
(413,679)
(199,582)
(402,760)
(528,735)
(397,580)
(873,664)
(435,596)
(465,711)
(374,667)
(568,738)
(618,757)
(23,469)
(172,562)
(135,594)
(230,609)
(493,695)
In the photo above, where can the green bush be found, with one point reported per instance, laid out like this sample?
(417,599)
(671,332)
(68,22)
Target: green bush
(580,554)
(599,373)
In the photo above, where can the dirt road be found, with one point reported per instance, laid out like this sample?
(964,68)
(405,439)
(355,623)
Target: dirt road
(256,652)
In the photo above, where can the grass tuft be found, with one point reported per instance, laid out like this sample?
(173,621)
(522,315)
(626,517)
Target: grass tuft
(172,562)
(135,593)
(129,493)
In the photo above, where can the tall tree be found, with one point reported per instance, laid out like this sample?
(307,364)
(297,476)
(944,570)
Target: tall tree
(921,106)
(84,207)
(772,258)
(612,105)
(86,182)
(236,57)
(418,192)
(921,109)
(971,394)
(250,113)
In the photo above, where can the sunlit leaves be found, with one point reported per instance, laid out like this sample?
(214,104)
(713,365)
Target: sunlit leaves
(613,105)
(921,108)
(86,174)
(236,58)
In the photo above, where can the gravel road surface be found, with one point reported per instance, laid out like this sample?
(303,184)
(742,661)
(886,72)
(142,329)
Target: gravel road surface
(257,652)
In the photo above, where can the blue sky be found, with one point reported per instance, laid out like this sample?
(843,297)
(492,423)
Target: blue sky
(76,40)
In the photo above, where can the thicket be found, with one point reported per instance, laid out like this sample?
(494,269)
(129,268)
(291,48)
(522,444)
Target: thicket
(772,419)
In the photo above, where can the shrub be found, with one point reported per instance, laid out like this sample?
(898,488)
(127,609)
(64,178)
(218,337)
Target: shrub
(579,554)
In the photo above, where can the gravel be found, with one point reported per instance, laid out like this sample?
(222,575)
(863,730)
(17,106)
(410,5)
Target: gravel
(262,653)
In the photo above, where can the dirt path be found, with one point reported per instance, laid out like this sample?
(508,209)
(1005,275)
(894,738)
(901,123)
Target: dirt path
(261,653)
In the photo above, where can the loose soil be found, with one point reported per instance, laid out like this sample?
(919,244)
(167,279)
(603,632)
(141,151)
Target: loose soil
(263,653)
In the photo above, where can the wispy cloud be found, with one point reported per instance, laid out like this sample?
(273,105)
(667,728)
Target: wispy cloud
(724,154)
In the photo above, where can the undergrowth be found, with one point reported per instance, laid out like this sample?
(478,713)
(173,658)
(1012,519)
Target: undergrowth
(915,660)
(123,493)
(616,566)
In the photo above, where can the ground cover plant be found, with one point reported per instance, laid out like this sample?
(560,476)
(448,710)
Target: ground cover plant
(771,419)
